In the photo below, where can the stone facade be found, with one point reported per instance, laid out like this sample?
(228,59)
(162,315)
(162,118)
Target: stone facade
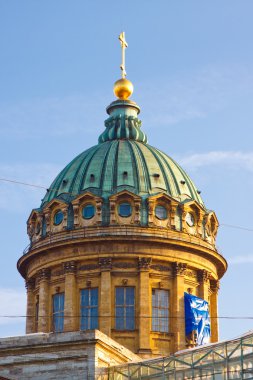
(73,356)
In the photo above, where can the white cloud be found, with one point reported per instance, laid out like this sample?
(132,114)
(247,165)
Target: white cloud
(236,160)
(16,197)
(241,259)
(12,303)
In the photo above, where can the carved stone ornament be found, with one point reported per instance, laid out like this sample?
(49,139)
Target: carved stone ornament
(105,262)
(160,268)
(29,284)
(88,267)
(179,269)
(215,286)
(44,274)
(69,267)
(144,262)
(203,275)
(124,265)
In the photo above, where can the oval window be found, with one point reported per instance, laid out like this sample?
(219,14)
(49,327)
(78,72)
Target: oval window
(190,219)
(161,212)
(125,209)
(88,211)
(58,217)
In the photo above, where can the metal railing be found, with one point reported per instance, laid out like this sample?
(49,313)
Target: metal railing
(222,361)
(103,231)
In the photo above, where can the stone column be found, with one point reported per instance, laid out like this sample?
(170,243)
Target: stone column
(44,313)
(105,308)
(144,307)
(203,278)
(177,312)
(70,305)
(214,311)
(30,307)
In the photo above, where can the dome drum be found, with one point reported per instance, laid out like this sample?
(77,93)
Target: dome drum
(143,212)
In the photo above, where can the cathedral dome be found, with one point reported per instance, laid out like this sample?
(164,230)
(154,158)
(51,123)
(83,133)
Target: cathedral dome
(123,160)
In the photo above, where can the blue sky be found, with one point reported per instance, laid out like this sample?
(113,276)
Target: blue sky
(191,65)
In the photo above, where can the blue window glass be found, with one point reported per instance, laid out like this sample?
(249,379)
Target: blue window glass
(161,212)
(58,312)
(88,211)
(58,217)
(125,209)
(125,308)
(160,310)
(89,309)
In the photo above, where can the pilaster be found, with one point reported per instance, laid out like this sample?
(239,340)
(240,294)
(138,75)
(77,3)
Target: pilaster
(144,307)
(44,315)
(70,304)
(215,285)
(203,278)
(30,307)
(105,311)
(178,313)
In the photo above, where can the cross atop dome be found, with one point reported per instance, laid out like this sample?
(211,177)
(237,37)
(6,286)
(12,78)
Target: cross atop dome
(123,88)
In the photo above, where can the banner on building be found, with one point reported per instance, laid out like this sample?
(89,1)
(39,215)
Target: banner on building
(197,321)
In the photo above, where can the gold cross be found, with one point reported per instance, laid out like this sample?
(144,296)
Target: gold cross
(123,46)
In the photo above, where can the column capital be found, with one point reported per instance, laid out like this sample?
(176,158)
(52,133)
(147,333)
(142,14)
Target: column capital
(44,274)
(29,284)
(69,267)
(105,263)
(215,286)
(144,262)
(178,269)
(203,275)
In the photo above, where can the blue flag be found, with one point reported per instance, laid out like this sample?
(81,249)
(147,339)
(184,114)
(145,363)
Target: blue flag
(197,321)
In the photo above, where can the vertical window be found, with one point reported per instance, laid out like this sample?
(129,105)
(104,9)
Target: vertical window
(160,310)
(124,308)
(58,312)
(89,309)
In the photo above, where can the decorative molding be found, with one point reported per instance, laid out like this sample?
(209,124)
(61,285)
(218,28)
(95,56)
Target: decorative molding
(88,267)
(69,267)
(160,268)
(88,283)
(105,263)
(144,262)
(124,265)
(44,274)
(203,275)
(57,273)
(179,269)
(215,286)
(30,284)
(125,281)
(189,273)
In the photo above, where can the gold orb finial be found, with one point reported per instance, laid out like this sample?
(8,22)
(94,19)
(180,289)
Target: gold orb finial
(123,88)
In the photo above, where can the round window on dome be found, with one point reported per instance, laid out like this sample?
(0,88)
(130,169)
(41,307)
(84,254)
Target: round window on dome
(58,217)
(88,211)
(190,219)
(125,209)
(161,212)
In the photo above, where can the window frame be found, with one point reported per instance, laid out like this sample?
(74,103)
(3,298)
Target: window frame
(89,308)
(160,313)
(124,203)
(94,211)
(128,320)
(58,314)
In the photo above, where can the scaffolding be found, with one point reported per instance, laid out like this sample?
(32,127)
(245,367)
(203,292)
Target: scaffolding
(218,361)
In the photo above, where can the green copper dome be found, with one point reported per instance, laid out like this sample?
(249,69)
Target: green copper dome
(122,161)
